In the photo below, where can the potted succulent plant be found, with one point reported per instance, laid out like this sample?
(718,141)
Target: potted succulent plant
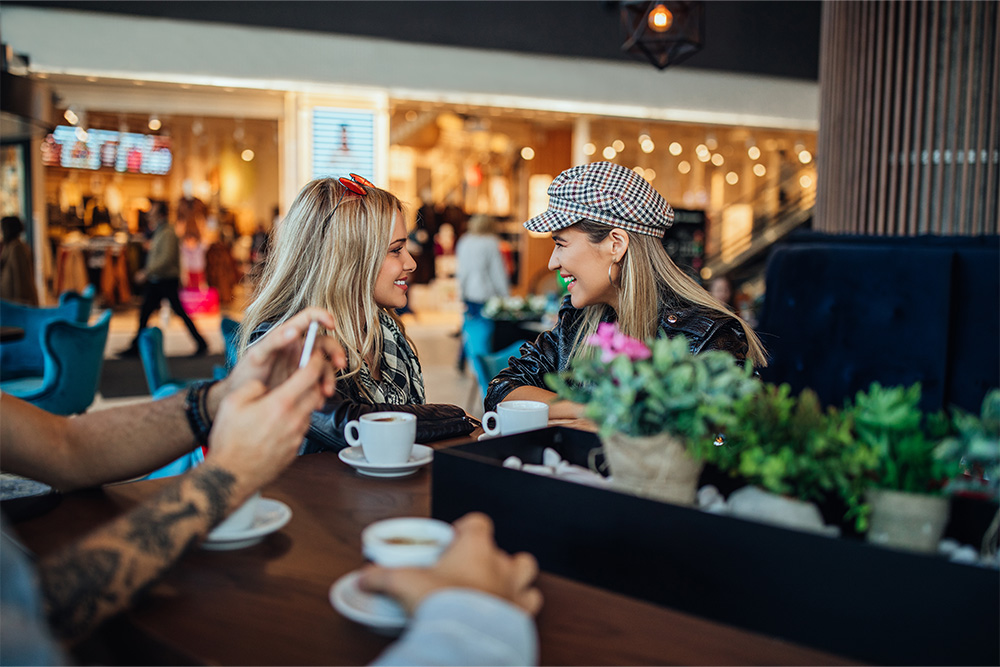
(791,447)
(908,507)
(659,408)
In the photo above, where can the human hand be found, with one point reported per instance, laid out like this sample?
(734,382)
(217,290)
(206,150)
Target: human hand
(473,560)
(257,431)
(273,358)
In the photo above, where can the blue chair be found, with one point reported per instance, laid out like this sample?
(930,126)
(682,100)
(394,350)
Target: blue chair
(24,358)
(486,366)
(154,364)
(231,337)
(74,357)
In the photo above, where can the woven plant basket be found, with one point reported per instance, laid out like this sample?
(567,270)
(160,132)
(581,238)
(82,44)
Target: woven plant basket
(654,466)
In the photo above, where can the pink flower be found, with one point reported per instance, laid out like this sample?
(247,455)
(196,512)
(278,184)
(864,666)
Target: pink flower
(614,343)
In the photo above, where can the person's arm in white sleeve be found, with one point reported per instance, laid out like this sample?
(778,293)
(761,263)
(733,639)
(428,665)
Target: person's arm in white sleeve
(474,607)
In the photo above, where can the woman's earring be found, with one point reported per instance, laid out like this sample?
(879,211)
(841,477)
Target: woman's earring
(610,281)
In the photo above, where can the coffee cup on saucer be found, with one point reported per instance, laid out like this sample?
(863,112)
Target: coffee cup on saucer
(406,541)
(241,518)
(516,417)
(385,438)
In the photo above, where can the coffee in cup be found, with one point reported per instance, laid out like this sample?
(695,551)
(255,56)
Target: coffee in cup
(516,417)
(406,541)
(386,438)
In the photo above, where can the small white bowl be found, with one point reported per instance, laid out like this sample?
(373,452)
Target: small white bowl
(406,542)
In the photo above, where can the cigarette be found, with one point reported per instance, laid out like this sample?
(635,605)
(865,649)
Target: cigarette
(307,349)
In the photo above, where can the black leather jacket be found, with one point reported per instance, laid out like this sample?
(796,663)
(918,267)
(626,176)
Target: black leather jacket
(705,329)
(435,421)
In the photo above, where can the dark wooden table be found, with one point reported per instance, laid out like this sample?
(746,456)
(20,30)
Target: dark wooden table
(10,334)
(268,604)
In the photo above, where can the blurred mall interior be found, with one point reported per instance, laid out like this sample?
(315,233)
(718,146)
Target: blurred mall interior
(225,114)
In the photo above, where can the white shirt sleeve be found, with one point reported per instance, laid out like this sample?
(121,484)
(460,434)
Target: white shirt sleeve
(460,626)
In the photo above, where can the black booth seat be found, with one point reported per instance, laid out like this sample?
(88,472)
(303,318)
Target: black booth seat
(843,311)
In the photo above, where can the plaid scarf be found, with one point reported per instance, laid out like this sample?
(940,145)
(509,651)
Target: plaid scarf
(402,380)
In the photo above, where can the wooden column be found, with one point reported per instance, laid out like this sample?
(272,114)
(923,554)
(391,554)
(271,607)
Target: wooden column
(909,139)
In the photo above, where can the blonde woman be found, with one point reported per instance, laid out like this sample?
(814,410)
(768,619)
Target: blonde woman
(342,247)
(607,224)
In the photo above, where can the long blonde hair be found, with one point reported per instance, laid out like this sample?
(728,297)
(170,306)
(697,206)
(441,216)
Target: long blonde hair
(331,263)
(647,273)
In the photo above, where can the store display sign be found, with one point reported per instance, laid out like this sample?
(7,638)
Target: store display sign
(343,142)
(106,149)
(685,241)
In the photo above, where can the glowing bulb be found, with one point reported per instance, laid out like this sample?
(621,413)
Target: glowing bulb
(701,149)
(589,149)
(753,152)
(247,155)
(718,160)
(805,157)
(638,170)
(81,134)
(732,178)
(71,117)
(704,157)
(647,146)
(649,174)
(154,123)
(660,19)
(618,145)
(712,143)
(644,137)
(675,148)
(684,167)
(609,153)
(528,153)
(759,169)
(805,181)
(411,115)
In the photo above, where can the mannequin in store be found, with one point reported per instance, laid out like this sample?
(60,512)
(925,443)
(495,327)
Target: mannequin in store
(342,247)
(17,280)
(607,224)
(191,211)
(161,275)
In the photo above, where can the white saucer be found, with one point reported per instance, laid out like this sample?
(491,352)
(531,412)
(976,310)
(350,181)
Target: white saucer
(378,612)
(271,515)
(420,456)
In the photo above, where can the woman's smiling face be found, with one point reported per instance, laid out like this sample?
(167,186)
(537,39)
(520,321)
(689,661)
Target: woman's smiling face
(391,283)
(584,267)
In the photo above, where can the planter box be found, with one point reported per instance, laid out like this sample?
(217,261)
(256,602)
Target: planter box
(840,595)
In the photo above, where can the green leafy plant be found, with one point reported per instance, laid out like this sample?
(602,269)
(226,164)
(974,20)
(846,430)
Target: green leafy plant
(975,446)
(644,389)
(791,446)
(515,307)
(890,421)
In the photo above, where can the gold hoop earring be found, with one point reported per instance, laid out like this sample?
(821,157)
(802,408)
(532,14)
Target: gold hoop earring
(610,281)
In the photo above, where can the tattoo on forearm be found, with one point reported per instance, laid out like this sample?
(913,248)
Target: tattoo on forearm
(77,585)
(217,485)
(101,575)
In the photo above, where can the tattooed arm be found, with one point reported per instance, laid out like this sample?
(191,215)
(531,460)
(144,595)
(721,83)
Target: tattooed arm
(256,435)
(128,441)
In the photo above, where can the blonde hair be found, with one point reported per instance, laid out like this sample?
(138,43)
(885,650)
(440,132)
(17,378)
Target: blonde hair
(647,273)
(330,262)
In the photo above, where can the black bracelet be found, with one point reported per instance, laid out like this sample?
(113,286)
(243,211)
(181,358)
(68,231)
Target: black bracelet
(197,411)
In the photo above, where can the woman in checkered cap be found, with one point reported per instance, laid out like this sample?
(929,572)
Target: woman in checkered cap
(607,224)
(342,247)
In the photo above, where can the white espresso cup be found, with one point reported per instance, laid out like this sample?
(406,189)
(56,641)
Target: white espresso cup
(406,541)
(386,438)
(241,518)
(516,417)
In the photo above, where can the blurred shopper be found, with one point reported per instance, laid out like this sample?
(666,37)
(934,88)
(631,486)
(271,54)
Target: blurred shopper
(721,289)
(17,278)
(481,270)
(162,277)
(607,223)
(421,241)
(342,247)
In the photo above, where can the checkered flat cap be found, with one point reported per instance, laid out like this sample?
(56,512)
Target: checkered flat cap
(607,193)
